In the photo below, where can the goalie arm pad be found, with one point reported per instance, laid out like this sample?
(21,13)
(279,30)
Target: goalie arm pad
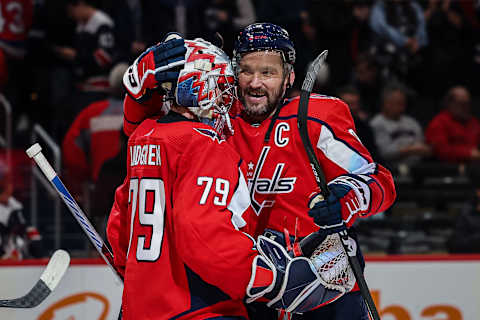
(290,284)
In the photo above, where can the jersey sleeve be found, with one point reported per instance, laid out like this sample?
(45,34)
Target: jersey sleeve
(341,153)
(211,196)
(135,112)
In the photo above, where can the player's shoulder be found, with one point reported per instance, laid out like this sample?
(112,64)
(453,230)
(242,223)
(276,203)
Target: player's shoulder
(176,127)
(319,106)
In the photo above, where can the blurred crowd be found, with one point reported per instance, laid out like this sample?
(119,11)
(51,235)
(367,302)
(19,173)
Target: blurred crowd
(408,70)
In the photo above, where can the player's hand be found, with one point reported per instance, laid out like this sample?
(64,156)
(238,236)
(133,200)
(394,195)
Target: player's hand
(346,201)
(157,68)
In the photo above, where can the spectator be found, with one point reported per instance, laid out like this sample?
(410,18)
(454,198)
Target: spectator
(400,32)
(227,18)
(454,133)
(91,56)
(15,22)
(17,239)
(129,33)
(296,17)
(351,97)
(448,36)
(361,33)
(366,78)
(343,28)
(399,137)
(163,16)
(94,138)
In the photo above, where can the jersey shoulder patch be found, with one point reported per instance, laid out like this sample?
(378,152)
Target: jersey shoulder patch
(210,133)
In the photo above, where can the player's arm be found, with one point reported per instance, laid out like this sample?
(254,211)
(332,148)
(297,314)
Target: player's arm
(358,186)
(135,112)
(152,75)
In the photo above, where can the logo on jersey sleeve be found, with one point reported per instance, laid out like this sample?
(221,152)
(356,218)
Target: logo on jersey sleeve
(212,134)
(275,184)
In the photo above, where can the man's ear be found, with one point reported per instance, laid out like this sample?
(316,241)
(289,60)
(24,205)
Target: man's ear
(289,80)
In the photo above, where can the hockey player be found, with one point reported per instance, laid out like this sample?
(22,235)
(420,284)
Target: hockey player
(281,183)
(175,227)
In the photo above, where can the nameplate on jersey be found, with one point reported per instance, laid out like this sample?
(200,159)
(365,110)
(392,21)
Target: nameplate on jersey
(145,155)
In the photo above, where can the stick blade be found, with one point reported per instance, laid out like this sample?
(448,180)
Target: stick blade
(313,71)
(49,279)
(56,268)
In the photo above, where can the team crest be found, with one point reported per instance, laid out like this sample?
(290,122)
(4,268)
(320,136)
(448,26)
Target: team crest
(262,188)
(212,134)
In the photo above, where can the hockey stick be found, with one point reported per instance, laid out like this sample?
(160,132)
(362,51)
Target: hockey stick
(35,152)
(308,244)
(48,281)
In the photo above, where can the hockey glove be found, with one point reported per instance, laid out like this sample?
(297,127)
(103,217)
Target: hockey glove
(349,197)
(157,68)
(285,282)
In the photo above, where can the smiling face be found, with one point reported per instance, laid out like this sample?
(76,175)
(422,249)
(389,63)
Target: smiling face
(262,81)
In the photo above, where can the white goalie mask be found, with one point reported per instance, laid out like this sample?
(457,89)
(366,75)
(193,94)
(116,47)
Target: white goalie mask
(206,84)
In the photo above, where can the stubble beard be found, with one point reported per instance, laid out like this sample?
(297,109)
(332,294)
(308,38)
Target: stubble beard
(256,113)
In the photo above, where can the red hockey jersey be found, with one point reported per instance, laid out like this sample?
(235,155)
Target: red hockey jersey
(279,175)
(278,171)
(174,226)
(92,139)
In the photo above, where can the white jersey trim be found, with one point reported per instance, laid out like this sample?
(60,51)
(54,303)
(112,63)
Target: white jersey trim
(338,152)
(240,202)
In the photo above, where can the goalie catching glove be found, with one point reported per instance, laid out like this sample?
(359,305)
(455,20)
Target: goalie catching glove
(157,68)
(293,284)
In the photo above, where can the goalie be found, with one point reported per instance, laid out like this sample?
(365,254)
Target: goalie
(176,227)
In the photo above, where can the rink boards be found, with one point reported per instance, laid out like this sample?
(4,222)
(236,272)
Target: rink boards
(404,288)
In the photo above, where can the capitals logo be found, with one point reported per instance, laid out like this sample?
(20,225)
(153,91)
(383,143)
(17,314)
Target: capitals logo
(212,134)
(264,185)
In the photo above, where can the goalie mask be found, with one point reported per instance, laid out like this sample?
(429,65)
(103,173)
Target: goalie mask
(206,84)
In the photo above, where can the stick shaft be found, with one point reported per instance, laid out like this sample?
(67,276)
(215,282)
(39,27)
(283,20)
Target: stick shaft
(310,243)
(73,206)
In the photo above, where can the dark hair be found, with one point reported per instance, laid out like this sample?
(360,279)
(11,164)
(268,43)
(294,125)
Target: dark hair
(450,96)
(391,87)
